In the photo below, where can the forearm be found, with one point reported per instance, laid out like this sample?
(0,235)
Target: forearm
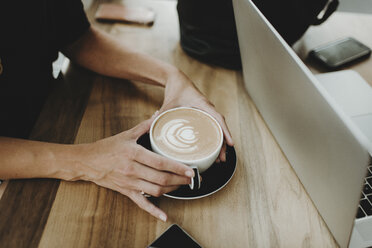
(105,55)
(32,159)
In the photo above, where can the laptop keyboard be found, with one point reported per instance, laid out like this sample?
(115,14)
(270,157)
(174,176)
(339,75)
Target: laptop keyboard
(365,204)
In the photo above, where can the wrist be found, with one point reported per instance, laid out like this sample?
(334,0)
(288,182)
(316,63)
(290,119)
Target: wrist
(171,74)
(71,163)
(176,79)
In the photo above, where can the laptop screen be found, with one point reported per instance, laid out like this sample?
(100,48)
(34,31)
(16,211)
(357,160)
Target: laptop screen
(307,124)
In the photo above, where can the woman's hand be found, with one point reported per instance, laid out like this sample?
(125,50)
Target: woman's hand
(120,164)
(180,91)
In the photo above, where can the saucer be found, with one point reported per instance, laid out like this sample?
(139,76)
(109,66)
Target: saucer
(214,179)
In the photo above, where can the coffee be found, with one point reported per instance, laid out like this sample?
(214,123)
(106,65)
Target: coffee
(187,134)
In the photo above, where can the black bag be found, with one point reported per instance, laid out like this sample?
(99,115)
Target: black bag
(291,18)
(208,31)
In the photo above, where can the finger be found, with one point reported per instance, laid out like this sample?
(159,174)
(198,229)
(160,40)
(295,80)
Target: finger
(128,177)
(158,162)
(153,189)
(141,171)
(138,198)
(221,120)
(225,129)
(222,155)
(156,114)
(146,205)
(139,185)
(143,127)
(161,177)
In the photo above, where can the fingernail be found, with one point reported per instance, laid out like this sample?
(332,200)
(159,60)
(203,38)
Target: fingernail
(189,173)
(224,157)
(163,217)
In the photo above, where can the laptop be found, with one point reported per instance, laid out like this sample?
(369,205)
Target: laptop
(328,143)
(358,6)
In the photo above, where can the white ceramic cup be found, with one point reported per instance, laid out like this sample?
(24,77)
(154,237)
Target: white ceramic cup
(199,165)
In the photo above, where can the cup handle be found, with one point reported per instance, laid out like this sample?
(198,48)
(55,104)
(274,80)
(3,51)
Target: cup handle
(195,181)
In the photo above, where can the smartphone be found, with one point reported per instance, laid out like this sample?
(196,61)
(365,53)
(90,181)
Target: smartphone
(340,53)
(174,236)
(115,12)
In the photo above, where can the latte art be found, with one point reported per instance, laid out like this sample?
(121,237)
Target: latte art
(186,134)
(179,136)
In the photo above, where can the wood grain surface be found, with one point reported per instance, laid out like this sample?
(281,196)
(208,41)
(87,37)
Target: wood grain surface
(3,187)
(25,204)
(264,205)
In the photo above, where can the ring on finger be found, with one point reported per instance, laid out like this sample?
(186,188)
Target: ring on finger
(145,194)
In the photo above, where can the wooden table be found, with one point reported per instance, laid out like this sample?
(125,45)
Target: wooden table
(264,205)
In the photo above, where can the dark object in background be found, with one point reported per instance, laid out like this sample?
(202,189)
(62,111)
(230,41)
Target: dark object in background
(291,18)
(208,31)
(174,236)
(340,53)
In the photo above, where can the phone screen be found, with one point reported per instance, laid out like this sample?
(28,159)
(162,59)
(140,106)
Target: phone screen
(341,52)
(174,236)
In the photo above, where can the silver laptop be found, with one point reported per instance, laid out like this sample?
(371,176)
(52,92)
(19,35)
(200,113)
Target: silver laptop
(327,142)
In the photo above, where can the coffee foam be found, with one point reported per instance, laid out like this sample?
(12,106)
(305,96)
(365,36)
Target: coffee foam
(186,134)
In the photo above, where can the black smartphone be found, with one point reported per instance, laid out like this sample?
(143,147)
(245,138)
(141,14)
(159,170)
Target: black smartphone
(340,53)
(173,237)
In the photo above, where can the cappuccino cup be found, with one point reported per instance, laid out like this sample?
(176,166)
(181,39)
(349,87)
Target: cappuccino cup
(189,136)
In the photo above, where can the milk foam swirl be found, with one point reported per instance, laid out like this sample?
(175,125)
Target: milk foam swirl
(186,134)
(179,136)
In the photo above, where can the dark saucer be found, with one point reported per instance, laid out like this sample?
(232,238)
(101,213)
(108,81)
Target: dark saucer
(214,179)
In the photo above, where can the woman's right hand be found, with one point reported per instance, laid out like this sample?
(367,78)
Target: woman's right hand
(120,164)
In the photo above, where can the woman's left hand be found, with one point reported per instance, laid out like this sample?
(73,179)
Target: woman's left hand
(180,91)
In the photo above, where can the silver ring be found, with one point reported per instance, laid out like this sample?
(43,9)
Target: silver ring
(145,194)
